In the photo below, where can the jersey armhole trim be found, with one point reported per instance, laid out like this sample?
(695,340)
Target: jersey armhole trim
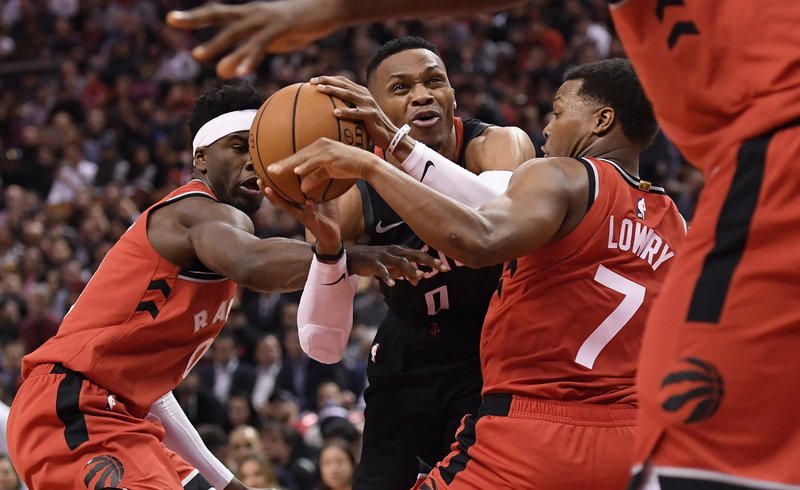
(366,209)
(594,182)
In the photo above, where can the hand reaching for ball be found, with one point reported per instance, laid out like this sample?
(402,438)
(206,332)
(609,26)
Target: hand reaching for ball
(326,159)
(320,219)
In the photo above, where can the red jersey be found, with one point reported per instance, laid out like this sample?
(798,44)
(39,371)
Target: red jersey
(716,71)
(567,320)
(142,322)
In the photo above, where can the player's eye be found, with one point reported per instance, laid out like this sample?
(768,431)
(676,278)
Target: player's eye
(399,87)
(240,148)
(437,80)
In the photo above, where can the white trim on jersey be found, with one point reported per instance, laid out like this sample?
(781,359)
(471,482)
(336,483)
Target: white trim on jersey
(194,473)
(596,178)
(633,180)
(189,193)
(651,482)
(194,279)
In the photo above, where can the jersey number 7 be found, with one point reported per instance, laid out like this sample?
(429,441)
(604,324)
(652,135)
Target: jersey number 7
(611,326)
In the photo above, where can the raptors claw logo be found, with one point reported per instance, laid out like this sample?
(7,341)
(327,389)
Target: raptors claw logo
(110,469)
(698,386)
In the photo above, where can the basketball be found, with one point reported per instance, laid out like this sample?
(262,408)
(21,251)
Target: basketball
(291,119)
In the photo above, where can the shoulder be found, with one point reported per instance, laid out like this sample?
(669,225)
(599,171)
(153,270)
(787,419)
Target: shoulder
(555,174)
(499,135)
(197,210)
(499,148)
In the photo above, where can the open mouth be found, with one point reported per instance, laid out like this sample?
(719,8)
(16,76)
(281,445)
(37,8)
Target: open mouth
(250,187)
(425,119)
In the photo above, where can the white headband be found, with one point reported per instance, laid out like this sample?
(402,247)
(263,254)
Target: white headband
(223,125)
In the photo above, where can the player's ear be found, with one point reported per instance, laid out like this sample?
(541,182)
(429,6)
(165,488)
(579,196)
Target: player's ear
(200,160)
(453,95)
(605,118)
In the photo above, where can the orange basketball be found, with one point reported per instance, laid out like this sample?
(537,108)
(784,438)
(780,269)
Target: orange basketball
(293,118)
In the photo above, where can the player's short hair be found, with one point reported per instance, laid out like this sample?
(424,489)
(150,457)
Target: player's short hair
(221,100)
(614,83)
(397,46)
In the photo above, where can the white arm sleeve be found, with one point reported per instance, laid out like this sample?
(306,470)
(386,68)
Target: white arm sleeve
(325,313)
(440,174)
(181,437)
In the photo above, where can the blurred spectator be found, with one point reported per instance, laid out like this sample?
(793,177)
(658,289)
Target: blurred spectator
(243,441)
(285,449)
(241,412)
(226,374)
(256,471)
(301,375)
(41,323)
(199,404)
(9,480)
(337,466)
(268,359)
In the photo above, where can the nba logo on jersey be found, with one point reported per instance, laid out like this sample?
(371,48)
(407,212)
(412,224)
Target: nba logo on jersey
(640,208)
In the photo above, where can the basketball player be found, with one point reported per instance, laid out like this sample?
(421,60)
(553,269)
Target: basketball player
(726,92)
(82,416)
(424,369)
(587,245)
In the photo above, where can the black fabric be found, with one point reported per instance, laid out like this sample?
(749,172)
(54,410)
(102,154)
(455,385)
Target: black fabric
(676,483)
(67,407)
(468,291)
(733,228)
(592,183)
(465,439)
(426,371)
(412,416)
(198,483)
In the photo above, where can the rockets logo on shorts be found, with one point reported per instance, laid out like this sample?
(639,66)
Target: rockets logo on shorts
(110,471)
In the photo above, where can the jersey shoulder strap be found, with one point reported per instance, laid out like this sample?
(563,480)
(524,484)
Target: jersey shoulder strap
(466,131)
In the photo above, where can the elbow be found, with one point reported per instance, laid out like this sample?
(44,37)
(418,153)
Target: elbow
(472,250)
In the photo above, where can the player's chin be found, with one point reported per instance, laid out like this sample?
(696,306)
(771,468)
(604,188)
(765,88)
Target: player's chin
(250,204)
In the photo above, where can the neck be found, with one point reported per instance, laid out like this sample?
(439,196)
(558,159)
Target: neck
(626,156)
(448,148)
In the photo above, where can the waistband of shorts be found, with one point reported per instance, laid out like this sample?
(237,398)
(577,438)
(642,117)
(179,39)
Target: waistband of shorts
(53,368)
(508,405)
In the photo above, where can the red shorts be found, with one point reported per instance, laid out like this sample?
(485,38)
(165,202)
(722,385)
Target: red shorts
(525,443)
(64,432)
(720,358)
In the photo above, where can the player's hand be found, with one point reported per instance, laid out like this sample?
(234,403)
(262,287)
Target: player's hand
(326,159)
(380,129)
(321,219)
(391,262)
(261,27)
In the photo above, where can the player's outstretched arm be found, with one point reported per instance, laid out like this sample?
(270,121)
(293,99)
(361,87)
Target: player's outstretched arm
(287,25)
(532,212)
(491,157)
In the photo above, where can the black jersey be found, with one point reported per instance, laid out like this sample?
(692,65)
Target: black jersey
(450,306)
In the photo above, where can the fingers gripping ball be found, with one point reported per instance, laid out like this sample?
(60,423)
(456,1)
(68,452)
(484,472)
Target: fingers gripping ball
(293,118)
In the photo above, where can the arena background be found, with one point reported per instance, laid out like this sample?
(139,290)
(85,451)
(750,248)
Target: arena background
(94,97)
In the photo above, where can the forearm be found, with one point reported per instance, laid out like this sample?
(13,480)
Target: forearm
(325,313)
(449,178)
(274,265)
(181,437)
(440,221)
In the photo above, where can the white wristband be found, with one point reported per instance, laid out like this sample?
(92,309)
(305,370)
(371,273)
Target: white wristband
(397,137)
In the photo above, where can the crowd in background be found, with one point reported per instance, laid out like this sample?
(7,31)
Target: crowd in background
(94,97)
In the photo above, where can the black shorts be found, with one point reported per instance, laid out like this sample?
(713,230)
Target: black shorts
(417,395)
